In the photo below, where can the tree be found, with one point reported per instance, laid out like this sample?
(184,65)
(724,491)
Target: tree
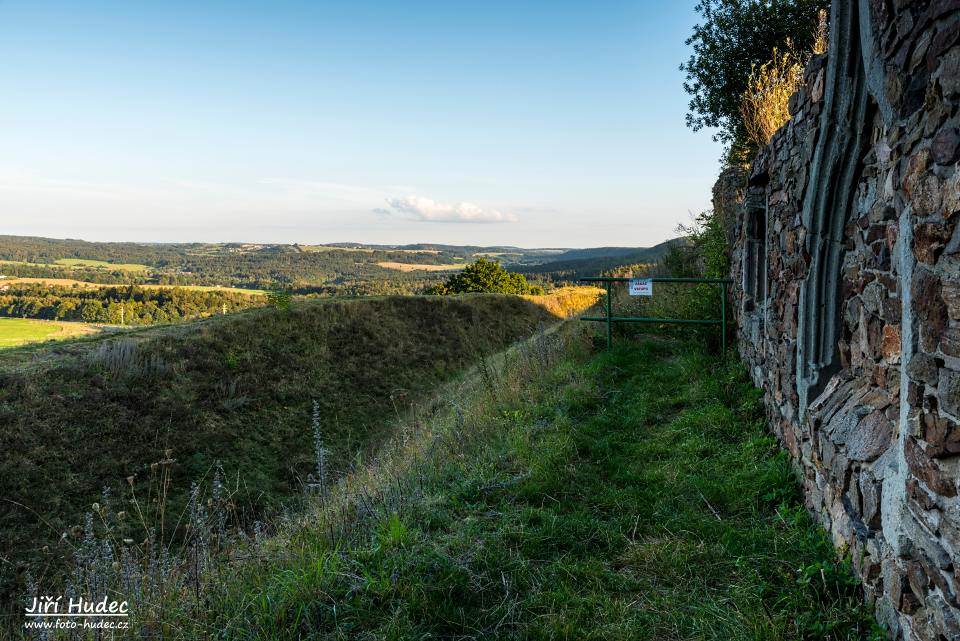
(736,35)
(485,276)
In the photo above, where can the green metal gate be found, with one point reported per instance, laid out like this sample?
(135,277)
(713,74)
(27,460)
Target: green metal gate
(609,319)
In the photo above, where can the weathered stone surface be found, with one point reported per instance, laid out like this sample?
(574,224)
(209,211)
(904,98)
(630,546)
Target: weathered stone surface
(929,239)
(890,343)
(945,148)
(923,367)
(950,342)
(848,301)
(951,297)
(949,73)
(949,391)
(870,438)
(929,307)
(941,434)
(926,469)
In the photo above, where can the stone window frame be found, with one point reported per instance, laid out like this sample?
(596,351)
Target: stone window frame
(755,279)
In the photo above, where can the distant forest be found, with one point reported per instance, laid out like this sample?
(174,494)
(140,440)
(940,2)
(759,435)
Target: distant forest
(129,305)
(341,269)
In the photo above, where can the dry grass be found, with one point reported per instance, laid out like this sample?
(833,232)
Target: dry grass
(765,103)
(821,40)
(764,106)
(412,267)
(567,301)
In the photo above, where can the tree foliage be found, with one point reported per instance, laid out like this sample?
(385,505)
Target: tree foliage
(485,276)
(736,35)
(129,305)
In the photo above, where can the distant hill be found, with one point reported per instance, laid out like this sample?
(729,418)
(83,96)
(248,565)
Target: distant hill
(577,263)
(343,268)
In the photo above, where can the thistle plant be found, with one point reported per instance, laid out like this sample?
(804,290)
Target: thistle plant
(218,503)
(320,452)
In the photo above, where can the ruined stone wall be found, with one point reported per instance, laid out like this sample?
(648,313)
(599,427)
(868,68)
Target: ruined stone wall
(846,263)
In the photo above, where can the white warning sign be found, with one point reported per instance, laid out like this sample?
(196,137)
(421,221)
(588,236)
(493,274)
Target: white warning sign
(641,287)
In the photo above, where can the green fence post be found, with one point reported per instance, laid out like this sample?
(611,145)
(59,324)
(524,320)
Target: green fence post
(723,320)
(609,321)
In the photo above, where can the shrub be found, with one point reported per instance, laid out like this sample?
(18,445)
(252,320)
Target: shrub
(485,276)
(736,36)
(279,299)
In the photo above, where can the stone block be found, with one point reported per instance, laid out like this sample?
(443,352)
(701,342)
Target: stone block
(948,391)
(949,73)
(923,368)
(926,469)
(870,438)
(945,148)
(951,296)
(929,239)
(890,343)
(929,307)
(941,434)
(950,342)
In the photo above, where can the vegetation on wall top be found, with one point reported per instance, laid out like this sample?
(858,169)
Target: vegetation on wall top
(735,37)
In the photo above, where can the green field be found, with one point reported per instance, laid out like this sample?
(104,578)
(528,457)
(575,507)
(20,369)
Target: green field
(27,264)
(19,331)
(82,262)
(100,264)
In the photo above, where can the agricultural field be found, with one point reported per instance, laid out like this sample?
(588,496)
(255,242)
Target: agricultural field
(21,331)
(58,282)
(101,264)
(70,282)
(208,288)
(411,267)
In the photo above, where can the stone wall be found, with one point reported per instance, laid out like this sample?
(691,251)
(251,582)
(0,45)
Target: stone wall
(846,262)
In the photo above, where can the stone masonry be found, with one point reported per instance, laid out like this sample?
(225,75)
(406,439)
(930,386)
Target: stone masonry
(846,264)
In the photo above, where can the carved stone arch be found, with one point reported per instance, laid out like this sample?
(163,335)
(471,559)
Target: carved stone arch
(829,199)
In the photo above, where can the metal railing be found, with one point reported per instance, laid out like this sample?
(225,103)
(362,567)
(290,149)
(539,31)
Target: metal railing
(610,319)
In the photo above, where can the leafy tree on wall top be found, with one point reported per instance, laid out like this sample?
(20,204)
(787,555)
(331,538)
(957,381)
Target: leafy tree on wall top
(736,35)
(485,276)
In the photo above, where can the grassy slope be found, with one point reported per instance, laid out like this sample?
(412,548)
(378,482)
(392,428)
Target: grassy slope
(631,495)
(236,389)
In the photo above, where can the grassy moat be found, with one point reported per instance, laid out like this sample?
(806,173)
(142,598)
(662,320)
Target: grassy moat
(558,492)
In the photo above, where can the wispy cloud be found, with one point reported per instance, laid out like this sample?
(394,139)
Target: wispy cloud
(431,211)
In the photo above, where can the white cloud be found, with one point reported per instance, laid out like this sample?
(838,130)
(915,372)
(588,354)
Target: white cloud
(431,211)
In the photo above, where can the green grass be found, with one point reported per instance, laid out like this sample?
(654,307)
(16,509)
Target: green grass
(235,389)
(100,264)
(15,332)
(629,495)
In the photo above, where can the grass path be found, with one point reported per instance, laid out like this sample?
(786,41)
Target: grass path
(630,495)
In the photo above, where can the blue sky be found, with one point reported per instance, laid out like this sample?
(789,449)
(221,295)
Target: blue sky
(532,123)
